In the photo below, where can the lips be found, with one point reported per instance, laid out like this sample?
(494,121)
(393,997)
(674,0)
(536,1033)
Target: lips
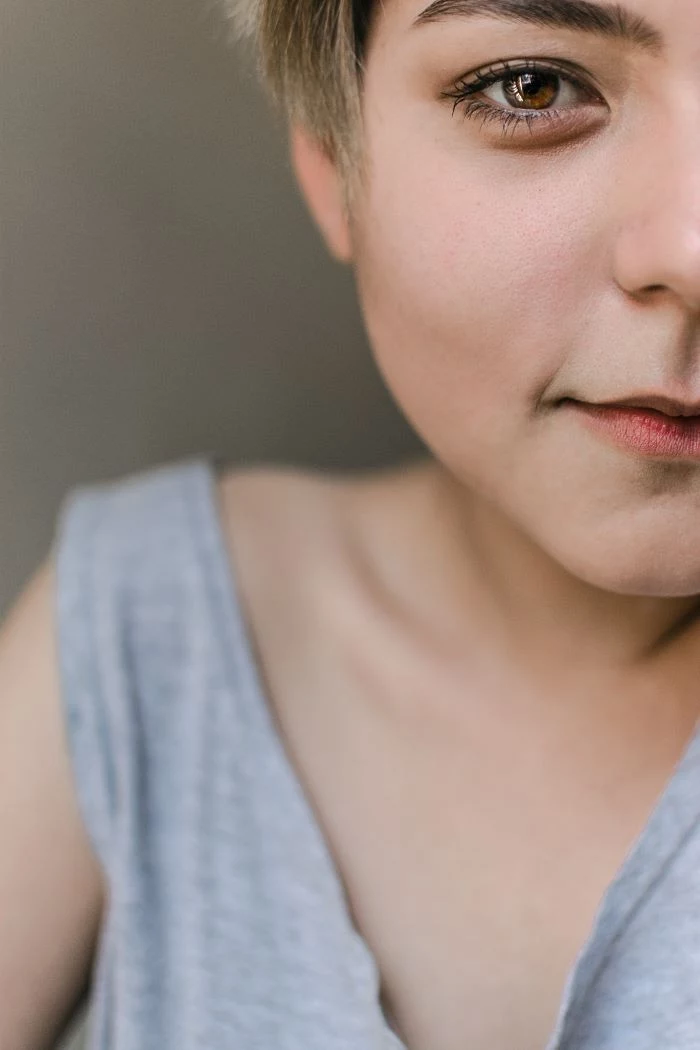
(644,429)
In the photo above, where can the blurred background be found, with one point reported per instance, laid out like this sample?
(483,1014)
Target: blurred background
(163,289)
(163,292)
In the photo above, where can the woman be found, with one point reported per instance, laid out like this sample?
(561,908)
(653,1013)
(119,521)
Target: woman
(409,758)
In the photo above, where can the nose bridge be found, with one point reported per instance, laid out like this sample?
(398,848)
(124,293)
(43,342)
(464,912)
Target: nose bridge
(658,245)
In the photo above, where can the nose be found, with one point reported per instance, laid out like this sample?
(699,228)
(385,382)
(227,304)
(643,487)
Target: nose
(658,244)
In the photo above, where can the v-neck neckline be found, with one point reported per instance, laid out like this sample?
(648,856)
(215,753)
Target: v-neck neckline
(672,820)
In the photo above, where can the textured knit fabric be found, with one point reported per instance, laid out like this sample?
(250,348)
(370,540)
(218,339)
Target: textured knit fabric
(227,926)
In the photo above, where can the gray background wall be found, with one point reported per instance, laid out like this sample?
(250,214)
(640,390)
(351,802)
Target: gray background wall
(162,291)
(162,288)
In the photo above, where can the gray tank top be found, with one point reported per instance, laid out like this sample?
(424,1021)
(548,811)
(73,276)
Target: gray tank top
(227,926)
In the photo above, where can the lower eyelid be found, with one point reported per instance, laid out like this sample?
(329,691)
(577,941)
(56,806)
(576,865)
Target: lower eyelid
(527,128)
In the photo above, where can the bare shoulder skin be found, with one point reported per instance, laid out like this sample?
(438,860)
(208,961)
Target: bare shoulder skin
(441,770)
(50,884)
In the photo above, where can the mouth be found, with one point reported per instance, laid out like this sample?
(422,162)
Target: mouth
(649,426)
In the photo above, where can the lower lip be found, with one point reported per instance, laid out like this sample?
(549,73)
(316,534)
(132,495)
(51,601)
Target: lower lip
(643,430)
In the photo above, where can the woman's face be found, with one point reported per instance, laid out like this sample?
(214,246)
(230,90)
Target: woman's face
(535,238)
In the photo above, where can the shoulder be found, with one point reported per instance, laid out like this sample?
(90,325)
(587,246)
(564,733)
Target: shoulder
(306,505)
(316,553)
(294,545)
(281,515)
(324,520)
(272,491)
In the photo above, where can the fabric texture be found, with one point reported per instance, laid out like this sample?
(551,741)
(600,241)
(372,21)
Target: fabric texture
(227,925)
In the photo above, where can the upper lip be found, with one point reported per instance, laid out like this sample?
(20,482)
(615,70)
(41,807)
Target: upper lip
(668,405)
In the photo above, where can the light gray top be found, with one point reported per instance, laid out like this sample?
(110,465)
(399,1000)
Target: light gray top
(228,927)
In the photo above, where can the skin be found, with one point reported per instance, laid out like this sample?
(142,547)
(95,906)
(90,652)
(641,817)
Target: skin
(498,275)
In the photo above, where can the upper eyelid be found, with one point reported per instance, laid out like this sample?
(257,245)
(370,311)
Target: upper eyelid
(504,68)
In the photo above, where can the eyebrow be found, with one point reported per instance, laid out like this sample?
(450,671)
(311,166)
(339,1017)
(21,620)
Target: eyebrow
(605,19)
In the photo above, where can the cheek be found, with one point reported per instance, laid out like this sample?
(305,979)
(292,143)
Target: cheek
(473,285)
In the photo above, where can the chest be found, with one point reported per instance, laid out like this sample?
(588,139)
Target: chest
(474,861)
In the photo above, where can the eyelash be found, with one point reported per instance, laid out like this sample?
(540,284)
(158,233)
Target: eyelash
(463,91)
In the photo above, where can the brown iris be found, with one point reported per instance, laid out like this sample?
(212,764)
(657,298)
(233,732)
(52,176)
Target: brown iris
(535,90)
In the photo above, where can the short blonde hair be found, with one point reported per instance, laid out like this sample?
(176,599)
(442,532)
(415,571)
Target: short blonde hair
(310,55)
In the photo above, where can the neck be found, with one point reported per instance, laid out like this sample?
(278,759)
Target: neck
(541,614)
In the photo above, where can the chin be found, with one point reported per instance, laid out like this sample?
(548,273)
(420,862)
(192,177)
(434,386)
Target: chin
(641,563)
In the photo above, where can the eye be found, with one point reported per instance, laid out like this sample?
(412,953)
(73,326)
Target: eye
(526,94)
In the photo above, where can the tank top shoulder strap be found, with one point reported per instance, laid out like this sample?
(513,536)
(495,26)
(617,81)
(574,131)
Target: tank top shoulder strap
(140,609)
